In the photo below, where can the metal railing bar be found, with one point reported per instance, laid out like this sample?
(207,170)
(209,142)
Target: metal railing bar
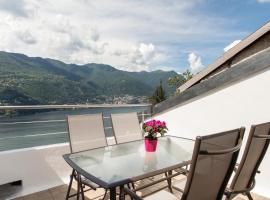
(140,114)
(32,122)
(52,121)
(108,127)
(145,114)
(42,134)
(35,135)
(73,106)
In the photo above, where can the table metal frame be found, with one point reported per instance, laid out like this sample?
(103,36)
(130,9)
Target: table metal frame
(112,186)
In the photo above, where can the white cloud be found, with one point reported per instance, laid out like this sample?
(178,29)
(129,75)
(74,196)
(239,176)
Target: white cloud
(143,54)
(26,37)
(19,8)
(263,1)
(234,43)
(139,58)
(195,62)
(128,34)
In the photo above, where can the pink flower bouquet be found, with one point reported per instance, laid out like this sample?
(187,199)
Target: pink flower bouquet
(154,128)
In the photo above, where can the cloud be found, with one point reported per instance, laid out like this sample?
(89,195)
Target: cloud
(139,57)
(95,35)
(128,34)
(263,1)
(195,62)
(234,43)
(143,54)
(19,8)
(143,57)
(26,37)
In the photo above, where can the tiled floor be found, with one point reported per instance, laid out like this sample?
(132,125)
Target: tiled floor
(59,193)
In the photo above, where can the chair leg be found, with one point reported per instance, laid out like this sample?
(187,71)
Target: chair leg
(122,193)
(70,184)
(106,190)
(169,181)
(81,187)
(249,196)
(133,185)
(227,197)
(78,188)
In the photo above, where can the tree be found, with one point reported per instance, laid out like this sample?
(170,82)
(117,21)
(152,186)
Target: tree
(159,95)
(187,75)
(177,81)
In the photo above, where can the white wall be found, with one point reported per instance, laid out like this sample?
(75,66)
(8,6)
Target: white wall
(39,168)
(242,104)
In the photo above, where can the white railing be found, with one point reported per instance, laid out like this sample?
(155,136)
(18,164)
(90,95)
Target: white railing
(46,124)
(72,106)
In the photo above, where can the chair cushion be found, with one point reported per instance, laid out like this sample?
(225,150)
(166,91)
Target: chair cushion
(161,195)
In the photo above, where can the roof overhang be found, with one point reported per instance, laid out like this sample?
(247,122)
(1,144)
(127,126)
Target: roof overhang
(227,56)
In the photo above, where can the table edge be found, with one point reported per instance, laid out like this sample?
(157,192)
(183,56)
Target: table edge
(124,181)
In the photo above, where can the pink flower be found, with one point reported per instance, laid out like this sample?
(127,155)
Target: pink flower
(153,127)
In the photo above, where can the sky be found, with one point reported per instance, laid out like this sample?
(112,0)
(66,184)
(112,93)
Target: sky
(131,35)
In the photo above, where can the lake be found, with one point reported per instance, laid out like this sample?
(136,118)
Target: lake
(44,128)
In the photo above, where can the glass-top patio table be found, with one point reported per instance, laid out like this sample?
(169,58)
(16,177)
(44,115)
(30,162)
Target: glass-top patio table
(120,164)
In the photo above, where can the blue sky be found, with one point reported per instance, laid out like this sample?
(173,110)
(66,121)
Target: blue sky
(244,17)
(127,34)
(237,19)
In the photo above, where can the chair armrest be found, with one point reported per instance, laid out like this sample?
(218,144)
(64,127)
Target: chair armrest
(230,191)
(132,194)
(223,151)
(237,165)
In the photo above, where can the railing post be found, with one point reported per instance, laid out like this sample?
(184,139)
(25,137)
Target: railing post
(142,117)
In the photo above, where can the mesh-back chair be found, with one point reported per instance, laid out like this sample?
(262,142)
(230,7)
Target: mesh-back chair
(213,160)
(257,143)
(85,132)
(126,127)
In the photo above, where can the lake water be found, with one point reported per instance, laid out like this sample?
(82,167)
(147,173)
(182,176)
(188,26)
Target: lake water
(46,128)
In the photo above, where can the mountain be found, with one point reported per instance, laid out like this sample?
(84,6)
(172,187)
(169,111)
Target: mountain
(35,80)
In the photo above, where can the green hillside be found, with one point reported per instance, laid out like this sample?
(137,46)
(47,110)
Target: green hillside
(28,80)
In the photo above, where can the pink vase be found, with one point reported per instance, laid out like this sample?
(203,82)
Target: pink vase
(150,145)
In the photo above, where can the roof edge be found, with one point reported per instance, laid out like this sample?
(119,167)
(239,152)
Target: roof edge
(243,70)
(227,55)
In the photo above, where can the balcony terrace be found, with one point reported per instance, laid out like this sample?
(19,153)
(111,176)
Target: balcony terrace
(34,139)
(41,167)
(59,193)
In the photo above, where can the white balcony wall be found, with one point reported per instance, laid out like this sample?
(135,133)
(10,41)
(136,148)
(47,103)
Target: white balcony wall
(241,104)
(39,168)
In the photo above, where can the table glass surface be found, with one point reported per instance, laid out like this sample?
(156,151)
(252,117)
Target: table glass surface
(124,161)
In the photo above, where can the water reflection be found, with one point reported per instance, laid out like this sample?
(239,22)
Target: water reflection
(150,161)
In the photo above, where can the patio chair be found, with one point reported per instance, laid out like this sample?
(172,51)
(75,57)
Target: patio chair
(244,180)
(126,127)
(213,160)
(85,132)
